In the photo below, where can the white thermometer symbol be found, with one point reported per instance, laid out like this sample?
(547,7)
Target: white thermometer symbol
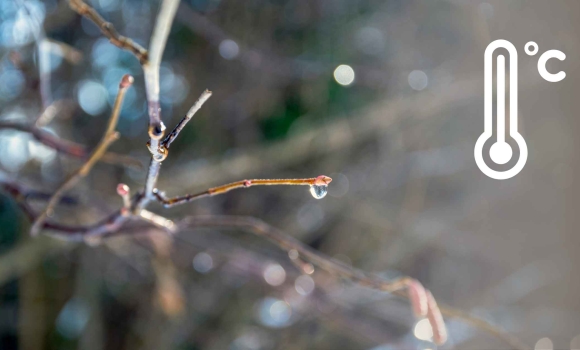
(501,152)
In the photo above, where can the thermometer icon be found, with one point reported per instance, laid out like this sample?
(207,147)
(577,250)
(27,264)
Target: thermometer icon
(501,152)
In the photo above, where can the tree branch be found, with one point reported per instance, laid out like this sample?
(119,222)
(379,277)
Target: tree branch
(69,148)
(20,192)
(107,28)
(151,72)
(151,67)
(196,106)
(320,181)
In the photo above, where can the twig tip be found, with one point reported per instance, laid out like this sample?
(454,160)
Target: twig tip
(126,81)
(322,180)
(436,320)
(418,298)
(122,189)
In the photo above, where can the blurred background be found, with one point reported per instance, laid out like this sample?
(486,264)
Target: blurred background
(384,96)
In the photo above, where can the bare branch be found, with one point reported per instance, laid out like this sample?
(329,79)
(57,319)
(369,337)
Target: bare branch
(151,72)
(151,67)
(321,180)
(69,148)
(63,146)
(150,62)
(111,223)
(109,30)
(21,192)
(108,138)
(196,106)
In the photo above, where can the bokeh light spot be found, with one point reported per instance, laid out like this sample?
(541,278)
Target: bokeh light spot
(92,97)
(344,75)
(274,274)
(544,344)
(423,330)
(418,80)
(229,49)
(203,262)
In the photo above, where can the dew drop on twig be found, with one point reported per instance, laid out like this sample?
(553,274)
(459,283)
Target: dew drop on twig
(318,191)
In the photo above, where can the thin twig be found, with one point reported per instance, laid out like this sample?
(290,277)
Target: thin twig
(21,192)
(321,180)
(196,106)
(109,30)
(60,145)
(108,138)
(69,148)
(110,224)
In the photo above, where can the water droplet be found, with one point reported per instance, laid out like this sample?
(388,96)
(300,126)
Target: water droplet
(318,192)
